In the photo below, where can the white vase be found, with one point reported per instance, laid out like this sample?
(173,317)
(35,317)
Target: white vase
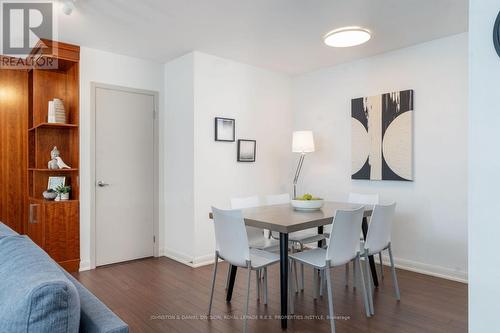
(64,196)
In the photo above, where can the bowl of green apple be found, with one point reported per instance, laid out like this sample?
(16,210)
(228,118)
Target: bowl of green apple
(307,202)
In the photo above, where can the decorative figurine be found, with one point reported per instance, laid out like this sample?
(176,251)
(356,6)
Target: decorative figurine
(56,162)
(54,154)
(61,164)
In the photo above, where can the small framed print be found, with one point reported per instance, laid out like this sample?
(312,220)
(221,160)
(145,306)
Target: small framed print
(246,150)
(224,129)
(54,182)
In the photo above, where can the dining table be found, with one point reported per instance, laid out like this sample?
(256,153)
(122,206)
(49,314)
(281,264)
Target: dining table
(284,219)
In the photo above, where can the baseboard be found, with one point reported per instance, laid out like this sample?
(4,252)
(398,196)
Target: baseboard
(84,265)
(188,260)
(432,270)
(409,265)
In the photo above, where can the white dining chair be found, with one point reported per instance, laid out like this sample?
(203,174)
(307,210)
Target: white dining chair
(233,247)
(378,239)
(300,238)
(256,237)
(343,247)
(368,200)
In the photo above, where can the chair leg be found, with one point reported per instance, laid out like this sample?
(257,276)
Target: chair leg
(369,283)
(354,281)
(381,265)
(302,270)
(296,274)
(347,275)
(394,277)
(213,284)
(301,277)
(315,283)
(357,263)
(265,285)
(228,275)
(245,315)
(321,282)
(330,297)
(257,283)
(291,294)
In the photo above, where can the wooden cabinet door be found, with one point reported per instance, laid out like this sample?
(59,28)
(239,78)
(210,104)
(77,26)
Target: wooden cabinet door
(61,224)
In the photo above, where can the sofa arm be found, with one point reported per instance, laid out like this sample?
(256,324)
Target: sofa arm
(95,317)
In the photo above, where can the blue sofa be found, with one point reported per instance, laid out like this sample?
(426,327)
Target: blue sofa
(37,295)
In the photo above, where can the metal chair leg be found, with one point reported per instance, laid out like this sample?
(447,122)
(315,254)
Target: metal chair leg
(321,282)
(347,275)
(213,284)
(248,298)
(394,277)
(302,270)
(257,283)
(330,297)
(381,265)
(265,285)
(315,283)
(291,294)
(228,275)
(357,263)
(369,283)
(354,280)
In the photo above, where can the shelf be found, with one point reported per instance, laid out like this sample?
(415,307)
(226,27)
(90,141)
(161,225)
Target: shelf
(39,200)
(52,170)
(53,125)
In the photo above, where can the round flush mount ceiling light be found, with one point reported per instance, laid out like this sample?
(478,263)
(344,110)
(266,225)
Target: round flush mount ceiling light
(347,37)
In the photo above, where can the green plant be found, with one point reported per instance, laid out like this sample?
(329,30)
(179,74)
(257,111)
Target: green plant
(61,189)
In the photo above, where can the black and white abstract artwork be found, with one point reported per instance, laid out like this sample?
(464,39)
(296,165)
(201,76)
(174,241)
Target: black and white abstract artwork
(382,136)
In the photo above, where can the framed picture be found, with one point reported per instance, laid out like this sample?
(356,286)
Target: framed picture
(382,136)
(246,150)
(55,182)
(224,129)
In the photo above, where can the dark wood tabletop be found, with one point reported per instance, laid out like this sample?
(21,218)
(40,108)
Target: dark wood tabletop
(285,219)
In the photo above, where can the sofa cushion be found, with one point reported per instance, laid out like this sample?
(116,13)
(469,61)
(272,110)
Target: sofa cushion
(35,294)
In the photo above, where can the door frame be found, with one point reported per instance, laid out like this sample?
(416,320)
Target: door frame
(156,165)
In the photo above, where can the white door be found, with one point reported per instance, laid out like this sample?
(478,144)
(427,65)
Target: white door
(124,170)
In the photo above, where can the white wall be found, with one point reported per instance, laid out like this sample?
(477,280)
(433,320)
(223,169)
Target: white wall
(179,164)
(430,231)
(484,163)
(259,100)
(104,67)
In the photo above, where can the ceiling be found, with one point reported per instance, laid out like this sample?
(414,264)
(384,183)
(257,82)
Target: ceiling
(282,35)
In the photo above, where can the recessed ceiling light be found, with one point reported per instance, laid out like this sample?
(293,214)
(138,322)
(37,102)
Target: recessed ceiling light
(346,37)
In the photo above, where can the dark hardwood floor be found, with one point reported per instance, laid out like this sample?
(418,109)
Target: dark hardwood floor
(161,295)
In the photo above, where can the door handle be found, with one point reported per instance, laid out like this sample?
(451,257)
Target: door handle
(32,219)
(102,184)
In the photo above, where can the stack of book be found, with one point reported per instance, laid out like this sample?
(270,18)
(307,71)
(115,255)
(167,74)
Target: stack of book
(57,114)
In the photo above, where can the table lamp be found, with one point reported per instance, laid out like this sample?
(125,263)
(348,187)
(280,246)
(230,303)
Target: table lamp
(303,143)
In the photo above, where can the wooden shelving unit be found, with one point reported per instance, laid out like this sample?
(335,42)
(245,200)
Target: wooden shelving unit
(54,225)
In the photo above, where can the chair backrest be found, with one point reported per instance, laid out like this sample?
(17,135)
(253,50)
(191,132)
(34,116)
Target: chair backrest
(363,199)
(344,240)
(231,236)
(277,199)
(379,230)
(247,202)
(253,234)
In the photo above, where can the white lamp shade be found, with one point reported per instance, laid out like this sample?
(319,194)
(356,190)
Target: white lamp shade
(303,142)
